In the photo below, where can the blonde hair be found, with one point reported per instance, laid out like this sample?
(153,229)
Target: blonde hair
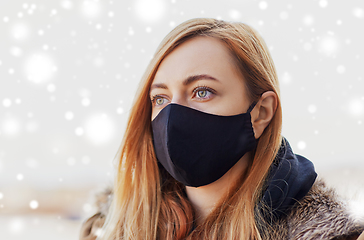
(144,206)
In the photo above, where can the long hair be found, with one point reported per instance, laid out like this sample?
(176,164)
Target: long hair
(146,207)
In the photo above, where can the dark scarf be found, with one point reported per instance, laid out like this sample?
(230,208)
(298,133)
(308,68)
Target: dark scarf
(290,178)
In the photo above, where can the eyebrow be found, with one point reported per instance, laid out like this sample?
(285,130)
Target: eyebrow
(185,82)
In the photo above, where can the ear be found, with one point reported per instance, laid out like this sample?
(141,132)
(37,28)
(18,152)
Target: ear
(263,112)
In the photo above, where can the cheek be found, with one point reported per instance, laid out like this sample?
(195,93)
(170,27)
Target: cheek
(154,114)
(230,106)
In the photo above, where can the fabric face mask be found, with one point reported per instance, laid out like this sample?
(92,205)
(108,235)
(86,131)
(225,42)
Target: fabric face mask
(198,148)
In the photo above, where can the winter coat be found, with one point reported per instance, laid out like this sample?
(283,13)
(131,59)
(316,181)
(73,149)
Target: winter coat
(318,215)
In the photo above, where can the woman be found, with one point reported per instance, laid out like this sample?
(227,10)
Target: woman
(203,156)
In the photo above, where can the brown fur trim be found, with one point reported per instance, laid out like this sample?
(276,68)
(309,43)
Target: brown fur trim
(103,200)
(321,215)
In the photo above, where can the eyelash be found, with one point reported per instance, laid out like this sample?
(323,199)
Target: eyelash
(155,97)
(199,88)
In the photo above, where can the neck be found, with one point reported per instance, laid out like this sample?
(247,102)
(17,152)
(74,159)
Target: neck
(204,199)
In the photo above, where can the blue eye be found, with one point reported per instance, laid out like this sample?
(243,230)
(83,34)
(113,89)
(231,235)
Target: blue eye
(203,93)
(158,100)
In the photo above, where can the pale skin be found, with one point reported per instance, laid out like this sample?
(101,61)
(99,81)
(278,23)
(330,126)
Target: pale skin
(361,237)
(200,74)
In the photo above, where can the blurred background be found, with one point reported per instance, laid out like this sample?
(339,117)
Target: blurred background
(69,70)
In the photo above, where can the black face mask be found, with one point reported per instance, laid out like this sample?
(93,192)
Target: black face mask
(198,148)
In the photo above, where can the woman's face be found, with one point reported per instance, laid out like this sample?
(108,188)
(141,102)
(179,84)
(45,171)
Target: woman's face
(200,74)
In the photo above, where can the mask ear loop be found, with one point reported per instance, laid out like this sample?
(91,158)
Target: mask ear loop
(251,107)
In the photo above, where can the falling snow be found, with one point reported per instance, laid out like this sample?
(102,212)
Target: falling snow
(7,102)
(39,68)
(79,131)
(329,45)
(308,20)
(87,207)
(150,10)
(34,204)
(341,69)
(16,51)
(286,78)
(234,14)
(358,12)
(284,15)
(301,145)
(69,115)
(67,4)
(32,163)
(16,225)
(11,126)
(356,107)
(99,128)
(312,108)
(323,3)
(131,31)
(20,31)
(91,8)
(69,71)
(85,102)
(120,110)
(263,5)
(51,87)
(20,177)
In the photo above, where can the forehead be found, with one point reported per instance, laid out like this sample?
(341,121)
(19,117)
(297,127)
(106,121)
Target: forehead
(199,55)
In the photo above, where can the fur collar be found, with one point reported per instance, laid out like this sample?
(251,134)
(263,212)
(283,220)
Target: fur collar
(319,215)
